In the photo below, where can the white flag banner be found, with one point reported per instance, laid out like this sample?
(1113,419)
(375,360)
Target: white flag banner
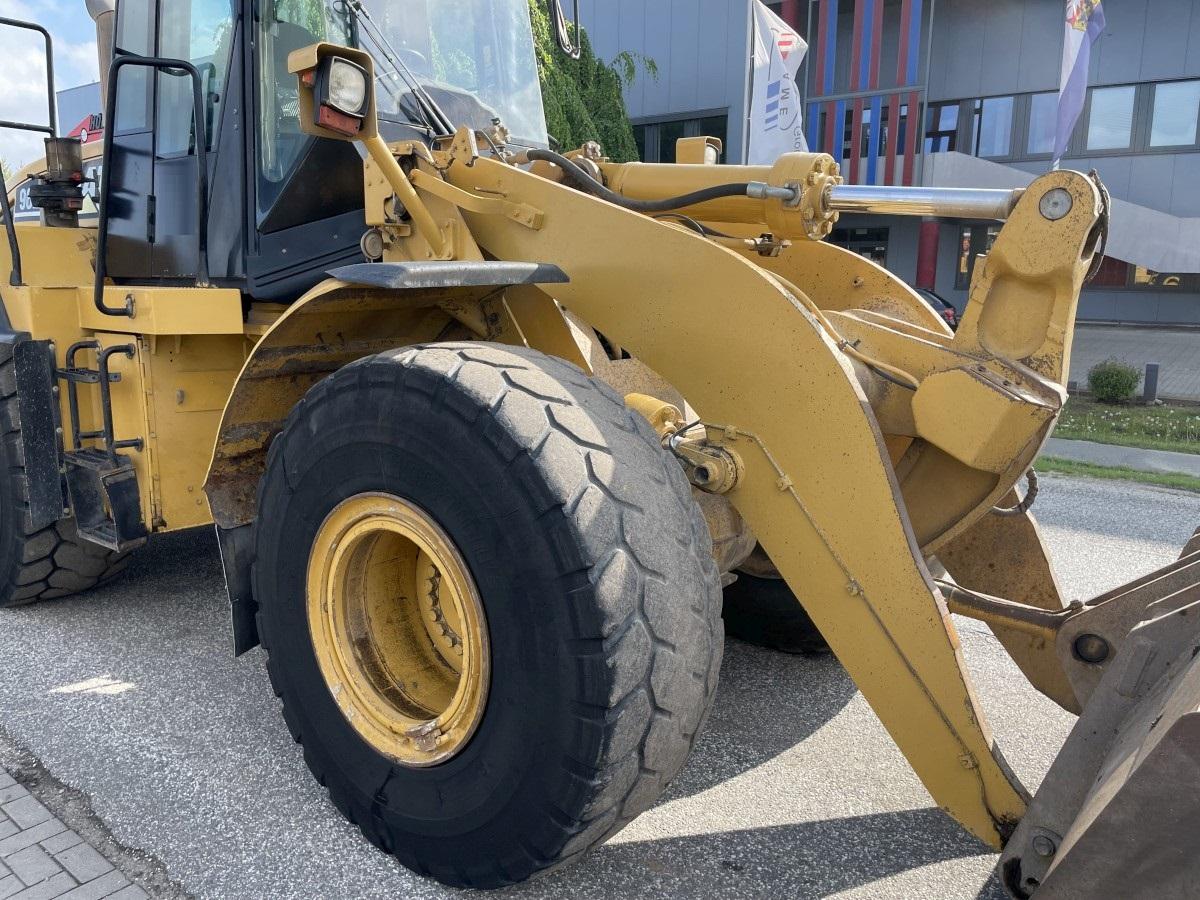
(1084,25)
(776,126)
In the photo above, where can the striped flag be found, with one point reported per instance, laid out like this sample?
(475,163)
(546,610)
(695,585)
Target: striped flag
(1084,24)
(775,123)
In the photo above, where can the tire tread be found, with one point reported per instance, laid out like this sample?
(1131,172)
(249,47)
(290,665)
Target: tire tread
(561,460)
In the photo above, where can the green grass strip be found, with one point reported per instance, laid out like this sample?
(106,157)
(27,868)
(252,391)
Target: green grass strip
(1168,427)
(1061,466)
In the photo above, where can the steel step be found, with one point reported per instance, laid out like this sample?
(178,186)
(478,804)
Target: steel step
(104,494)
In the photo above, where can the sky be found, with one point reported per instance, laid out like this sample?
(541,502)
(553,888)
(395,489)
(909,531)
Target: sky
(23,83)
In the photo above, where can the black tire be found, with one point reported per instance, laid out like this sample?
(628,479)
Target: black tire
(38,564)
(765,612)
(597,579)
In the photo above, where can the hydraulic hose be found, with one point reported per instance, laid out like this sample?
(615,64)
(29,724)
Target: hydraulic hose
(585,182)
(1026,502)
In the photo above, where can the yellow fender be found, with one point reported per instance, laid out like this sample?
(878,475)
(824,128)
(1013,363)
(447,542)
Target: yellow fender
(337,323)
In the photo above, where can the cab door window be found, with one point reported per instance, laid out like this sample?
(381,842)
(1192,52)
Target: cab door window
(134,37)
(200,31)
(284,26)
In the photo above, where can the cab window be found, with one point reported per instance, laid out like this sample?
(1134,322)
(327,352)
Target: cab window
(135,37)
(200,31)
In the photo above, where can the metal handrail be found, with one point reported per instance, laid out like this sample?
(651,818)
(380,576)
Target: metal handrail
(16,277)
(52,128)
(179,67)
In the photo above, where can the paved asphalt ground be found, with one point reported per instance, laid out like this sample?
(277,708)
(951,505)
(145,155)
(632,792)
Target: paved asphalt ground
(794,790)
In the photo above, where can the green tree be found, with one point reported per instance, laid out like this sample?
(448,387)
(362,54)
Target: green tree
(583,98)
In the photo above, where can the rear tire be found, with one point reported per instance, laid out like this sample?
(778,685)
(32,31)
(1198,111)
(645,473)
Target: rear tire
(46,563)
(765,612)
(595,572)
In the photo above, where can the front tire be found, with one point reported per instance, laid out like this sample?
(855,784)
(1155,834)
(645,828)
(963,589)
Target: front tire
(597,589)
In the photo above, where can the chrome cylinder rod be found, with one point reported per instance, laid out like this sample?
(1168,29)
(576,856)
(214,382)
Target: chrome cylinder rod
(951,203)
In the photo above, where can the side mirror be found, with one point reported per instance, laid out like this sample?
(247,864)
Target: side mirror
(568,41)
(337,92)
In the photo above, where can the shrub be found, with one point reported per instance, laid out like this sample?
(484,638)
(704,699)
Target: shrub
(1113,382)
(583,98)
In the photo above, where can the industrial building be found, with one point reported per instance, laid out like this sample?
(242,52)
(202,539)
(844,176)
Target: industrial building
(953,93)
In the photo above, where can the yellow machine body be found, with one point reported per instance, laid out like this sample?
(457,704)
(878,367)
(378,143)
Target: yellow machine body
(848,481)
(839,423)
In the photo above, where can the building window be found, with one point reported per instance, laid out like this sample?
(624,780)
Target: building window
(1043,122)
(864,142)
(941,127)
(1115,274)
(1110,122)
(885,128)
(1119,119)
(1176,113)
(1141,277)
(656,140)
(639,138)
(669,134)
(1112,273)
(992,127)
(973,240)
(869,242)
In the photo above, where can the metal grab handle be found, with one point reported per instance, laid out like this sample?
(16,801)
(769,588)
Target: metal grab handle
(16,278)
(171,67)
(77,435)
(111,444)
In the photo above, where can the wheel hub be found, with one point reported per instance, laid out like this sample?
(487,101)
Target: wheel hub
(398,629)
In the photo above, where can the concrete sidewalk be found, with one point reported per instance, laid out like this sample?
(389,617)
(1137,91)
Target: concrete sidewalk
(1126,457)
(1176,350)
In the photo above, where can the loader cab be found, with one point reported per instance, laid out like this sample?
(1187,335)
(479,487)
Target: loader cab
(284,207)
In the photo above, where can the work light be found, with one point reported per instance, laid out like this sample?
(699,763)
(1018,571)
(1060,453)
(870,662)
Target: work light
(341,90)
(346,86)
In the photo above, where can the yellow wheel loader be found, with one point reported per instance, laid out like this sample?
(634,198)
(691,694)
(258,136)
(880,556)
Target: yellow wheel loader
(484,428)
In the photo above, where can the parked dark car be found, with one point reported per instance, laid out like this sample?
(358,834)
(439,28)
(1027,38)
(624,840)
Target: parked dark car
(942,307)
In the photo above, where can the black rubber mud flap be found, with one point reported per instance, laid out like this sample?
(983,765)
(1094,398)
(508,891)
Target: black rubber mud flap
(237,558)
(33,363)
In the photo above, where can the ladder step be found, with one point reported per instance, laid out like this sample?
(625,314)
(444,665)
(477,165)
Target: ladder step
(96,460)
(105,497)
(85,376)
(102,533)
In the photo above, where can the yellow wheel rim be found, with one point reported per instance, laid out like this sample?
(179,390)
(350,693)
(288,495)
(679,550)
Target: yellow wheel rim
(398,629)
